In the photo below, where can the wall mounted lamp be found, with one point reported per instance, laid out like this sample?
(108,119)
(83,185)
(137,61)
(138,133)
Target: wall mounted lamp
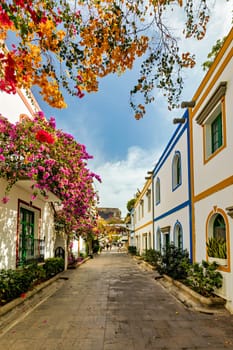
(230,211)
(179,120)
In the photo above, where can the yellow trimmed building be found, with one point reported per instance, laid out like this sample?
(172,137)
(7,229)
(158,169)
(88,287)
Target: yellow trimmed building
(211,157)
(142,219)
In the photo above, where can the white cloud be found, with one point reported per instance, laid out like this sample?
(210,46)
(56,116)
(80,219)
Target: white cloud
(121,179)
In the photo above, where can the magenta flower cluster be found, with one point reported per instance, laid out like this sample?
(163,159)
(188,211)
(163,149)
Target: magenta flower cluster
(54,161)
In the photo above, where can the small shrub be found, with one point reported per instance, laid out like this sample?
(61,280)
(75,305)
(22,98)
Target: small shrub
(203,278)
(174,262)
(13,283)
(53,266)
(37,272)
(152,256)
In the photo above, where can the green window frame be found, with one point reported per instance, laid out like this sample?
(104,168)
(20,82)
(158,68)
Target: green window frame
(216,133)
(26,237)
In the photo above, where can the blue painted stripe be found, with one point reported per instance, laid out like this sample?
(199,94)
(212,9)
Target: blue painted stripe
(171,144)
(173,210)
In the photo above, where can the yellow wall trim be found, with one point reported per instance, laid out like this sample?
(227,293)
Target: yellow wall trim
(218,187)
(146,224)
(211,72)
(145,188)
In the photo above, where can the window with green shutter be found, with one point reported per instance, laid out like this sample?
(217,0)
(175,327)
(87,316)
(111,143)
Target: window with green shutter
(216,133)
(26,237)
(212,117)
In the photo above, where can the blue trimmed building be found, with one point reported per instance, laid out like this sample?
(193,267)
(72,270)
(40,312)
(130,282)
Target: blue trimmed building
(172,192)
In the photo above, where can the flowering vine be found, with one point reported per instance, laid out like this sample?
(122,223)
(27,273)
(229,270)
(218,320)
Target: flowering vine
(54,161)
(71,45)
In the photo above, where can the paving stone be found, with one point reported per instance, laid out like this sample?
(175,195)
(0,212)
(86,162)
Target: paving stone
(110,303)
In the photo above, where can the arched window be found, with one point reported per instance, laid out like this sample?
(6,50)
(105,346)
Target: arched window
(218,236)
(178,235)
(157,191)
(176,170)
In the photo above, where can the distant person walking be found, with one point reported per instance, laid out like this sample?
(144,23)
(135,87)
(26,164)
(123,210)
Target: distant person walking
(119,246)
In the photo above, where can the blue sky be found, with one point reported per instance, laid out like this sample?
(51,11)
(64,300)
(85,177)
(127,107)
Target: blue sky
(124,149)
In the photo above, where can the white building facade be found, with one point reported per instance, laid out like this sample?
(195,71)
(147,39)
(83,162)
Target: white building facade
(211,131)
(142,219)
(172,196)
(27,230)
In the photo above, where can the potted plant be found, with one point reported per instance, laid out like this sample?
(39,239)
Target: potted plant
(217,250)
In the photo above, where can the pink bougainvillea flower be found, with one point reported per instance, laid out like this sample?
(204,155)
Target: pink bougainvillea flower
(33,197)
(60,169)
(41,114)
(5,200)
(44,136)
(2,158)
(52,122)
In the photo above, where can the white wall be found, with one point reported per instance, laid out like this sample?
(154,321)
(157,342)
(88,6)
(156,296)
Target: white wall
(143,225)
(9,226)
(221,166)
(213,180)
(174,203)
(12,105)
(170,198)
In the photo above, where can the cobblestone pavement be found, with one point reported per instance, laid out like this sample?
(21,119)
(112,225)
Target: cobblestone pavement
(110,303)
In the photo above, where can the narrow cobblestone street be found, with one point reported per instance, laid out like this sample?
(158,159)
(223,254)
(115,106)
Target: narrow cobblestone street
(110,303)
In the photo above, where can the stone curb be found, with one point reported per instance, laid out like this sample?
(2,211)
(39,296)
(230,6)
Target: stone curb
(183,293)
(12,304)
(78,264)
(144,264)
(191,298)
